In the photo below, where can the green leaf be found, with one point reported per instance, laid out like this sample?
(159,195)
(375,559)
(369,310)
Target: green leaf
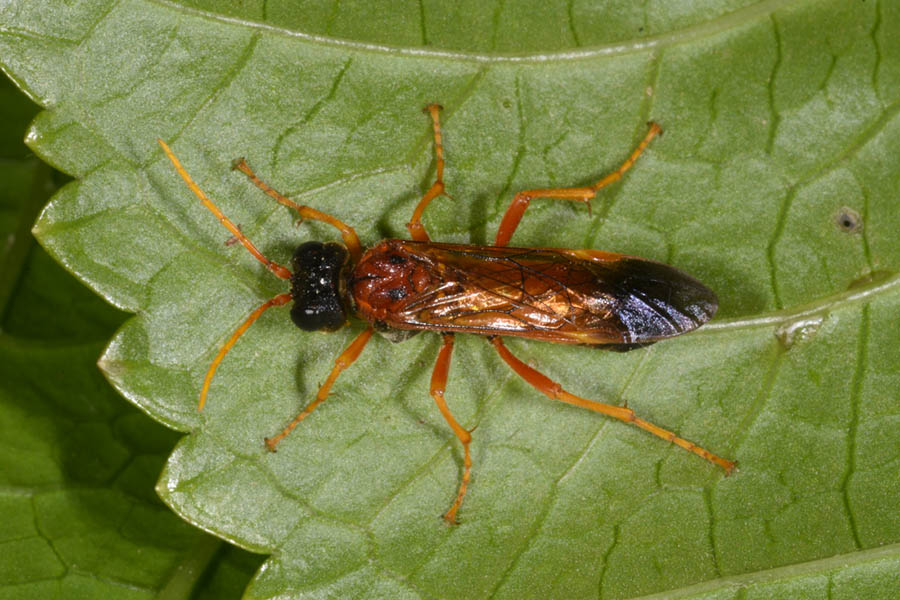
(775,184)
(78,465)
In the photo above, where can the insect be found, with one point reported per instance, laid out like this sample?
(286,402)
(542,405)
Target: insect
(401,287)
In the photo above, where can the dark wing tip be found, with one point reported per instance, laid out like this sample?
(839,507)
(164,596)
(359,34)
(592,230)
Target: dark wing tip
(656,301)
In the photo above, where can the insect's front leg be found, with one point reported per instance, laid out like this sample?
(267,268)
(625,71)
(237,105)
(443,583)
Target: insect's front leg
(279,300)
(348,234)
(347,358)
(577,194)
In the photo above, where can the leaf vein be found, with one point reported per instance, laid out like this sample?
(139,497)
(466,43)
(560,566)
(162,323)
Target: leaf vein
(774,116)
(102,17)
(776,355)
(311,113)
(230,76)
(859,375)
(553,496)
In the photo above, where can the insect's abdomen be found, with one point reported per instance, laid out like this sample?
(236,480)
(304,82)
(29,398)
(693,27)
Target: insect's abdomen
(566,296)
(654,301)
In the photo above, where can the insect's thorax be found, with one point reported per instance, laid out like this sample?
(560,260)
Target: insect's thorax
(385,276)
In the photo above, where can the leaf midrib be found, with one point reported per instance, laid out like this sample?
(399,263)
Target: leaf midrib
(819,307)
(670,38)
(838,562)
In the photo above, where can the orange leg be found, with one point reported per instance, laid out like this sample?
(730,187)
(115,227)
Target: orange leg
(351,240)
(347,358)
(577,194)
(279,270)
(415,227)
(278,300)
(438,384)
(555,391)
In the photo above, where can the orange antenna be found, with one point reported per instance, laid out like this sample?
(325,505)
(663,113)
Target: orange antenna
(279,271)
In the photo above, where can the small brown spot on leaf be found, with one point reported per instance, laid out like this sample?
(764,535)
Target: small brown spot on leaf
(871,278)
(849,220)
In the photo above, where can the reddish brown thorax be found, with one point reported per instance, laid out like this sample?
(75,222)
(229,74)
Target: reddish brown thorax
(384,276)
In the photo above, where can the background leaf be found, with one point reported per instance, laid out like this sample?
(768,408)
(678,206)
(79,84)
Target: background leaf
(775,184)
(80,518)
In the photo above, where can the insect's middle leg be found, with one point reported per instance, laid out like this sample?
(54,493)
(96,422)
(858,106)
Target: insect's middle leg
(577,194)
(347,358)
(438,385)
(415,227)
(555,392)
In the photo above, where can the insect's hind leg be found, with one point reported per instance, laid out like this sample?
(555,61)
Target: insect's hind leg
(555,392)
(577,194)
(351,240)
(438,385)
(415,227)
(346,358)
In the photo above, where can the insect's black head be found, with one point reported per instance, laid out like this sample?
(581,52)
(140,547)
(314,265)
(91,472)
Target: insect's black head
(319,286)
